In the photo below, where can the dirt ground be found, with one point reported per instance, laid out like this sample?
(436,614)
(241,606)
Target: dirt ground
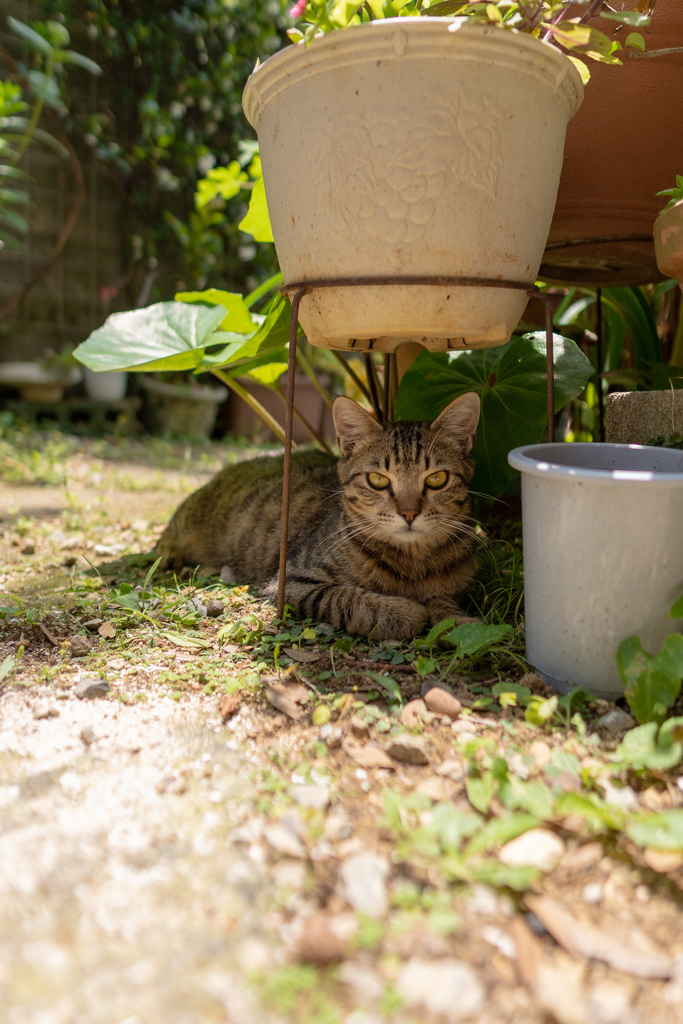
(228,827)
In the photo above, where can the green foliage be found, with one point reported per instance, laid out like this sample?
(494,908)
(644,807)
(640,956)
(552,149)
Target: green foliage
(44,82)
(547,20)
(473,637)
(173,118)
(511,382)
(653,747)
(652,683)
(663,830)
(675,194)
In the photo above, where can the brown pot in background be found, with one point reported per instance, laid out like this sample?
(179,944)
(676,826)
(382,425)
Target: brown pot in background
(241,418)
(624,145)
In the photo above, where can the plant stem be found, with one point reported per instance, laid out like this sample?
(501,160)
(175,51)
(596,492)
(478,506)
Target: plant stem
(310,373)
(262,290)
(302,419)
(353,375)
(252,402)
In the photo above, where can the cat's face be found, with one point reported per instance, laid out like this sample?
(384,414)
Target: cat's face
(407,483)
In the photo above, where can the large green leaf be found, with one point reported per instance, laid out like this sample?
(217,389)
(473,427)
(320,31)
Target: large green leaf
(165,336)
(257,220)
(238,318)
(651,685)
(511,382)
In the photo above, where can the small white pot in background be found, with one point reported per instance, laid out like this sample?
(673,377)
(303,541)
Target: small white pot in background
(603,556)
(106,386)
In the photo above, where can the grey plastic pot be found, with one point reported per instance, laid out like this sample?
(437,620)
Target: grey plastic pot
(603,555)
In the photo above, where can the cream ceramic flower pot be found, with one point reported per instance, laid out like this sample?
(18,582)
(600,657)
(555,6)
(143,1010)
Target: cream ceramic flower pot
(412,147)
(603,556)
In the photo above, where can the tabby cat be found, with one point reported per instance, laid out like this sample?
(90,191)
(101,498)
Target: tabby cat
(380,541)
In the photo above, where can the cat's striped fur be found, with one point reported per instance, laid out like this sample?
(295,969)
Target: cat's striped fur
(384,560)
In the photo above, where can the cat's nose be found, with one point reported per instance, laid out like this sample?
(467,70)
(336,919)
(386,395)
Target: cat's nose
(408,514)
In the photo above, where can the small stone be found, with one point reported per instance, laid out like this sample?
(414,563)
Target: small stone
(29,548)
(337,826)
(91,687)
(617,721)
(452,770)
(500,939)
(662,861)
(541,753)
(559,990)
(359,728)
(79,646)
(227,575)
(45,711)
(318,944)
(364,882)
(214,608)
(441,702)
(92,625)
(408,750)
(608,1002)
(61,695)
(87,735)
(366,986)
(592,893)
(325,628)
(412,713)
(69,561)
(198,605)
(437,789)
(331,735)
(538,848)
(445,986)
(314,797)
(284,840)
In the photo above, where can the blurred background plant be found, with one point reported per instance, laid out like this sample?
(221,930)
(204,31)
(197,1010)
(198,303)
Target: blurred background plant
(171,113)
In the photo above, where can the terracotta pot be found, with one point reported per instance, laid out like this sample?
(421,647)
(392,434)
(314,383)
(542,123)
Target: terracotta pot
(669,242)
(624,145)
(241,418)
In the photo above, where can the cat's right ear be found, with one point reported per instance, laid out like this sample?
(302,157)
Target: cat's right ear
(352,424)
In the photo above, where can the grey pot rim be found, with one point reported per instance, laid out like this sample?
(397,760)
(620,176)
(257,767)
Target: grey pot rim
(536,460)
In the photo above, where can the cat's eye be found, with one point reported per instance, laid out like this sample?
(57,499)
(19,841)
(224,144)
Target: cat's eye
(379,482)
(437,479)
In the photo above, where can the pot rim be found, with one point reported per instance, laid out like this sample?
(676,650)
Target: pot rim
(529,459)
(288,62)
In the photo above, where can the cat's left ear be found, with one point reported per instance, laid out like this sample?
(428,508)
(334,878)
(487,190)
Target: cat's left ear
(352,424)
(460,419)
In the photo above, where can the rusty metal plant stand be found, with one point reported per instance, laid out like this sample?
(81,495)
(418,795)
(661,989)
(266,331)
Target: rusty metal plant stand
(297,291)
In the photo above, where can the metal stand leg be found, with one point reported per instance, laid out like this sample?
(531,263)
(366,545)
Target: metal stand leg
(287,462)
(598,382)
(549,365)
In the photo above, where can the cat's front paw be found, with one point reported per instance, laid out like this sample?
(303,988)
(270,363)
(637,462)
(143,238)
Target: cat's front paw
(440,608)
(399,618)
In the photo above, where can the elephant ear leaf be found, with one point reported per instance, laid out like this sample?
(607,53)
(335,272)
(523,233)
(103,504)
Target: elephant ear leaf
(511,383)
(165,336)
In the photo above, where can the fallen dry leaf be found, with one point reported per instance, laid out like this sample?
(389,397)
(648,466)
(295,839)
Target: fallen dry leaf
(282,703)
(108,630)
(368,756)
(229,706)
(297,654)
(295,692)
(529,950)
(581,938)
